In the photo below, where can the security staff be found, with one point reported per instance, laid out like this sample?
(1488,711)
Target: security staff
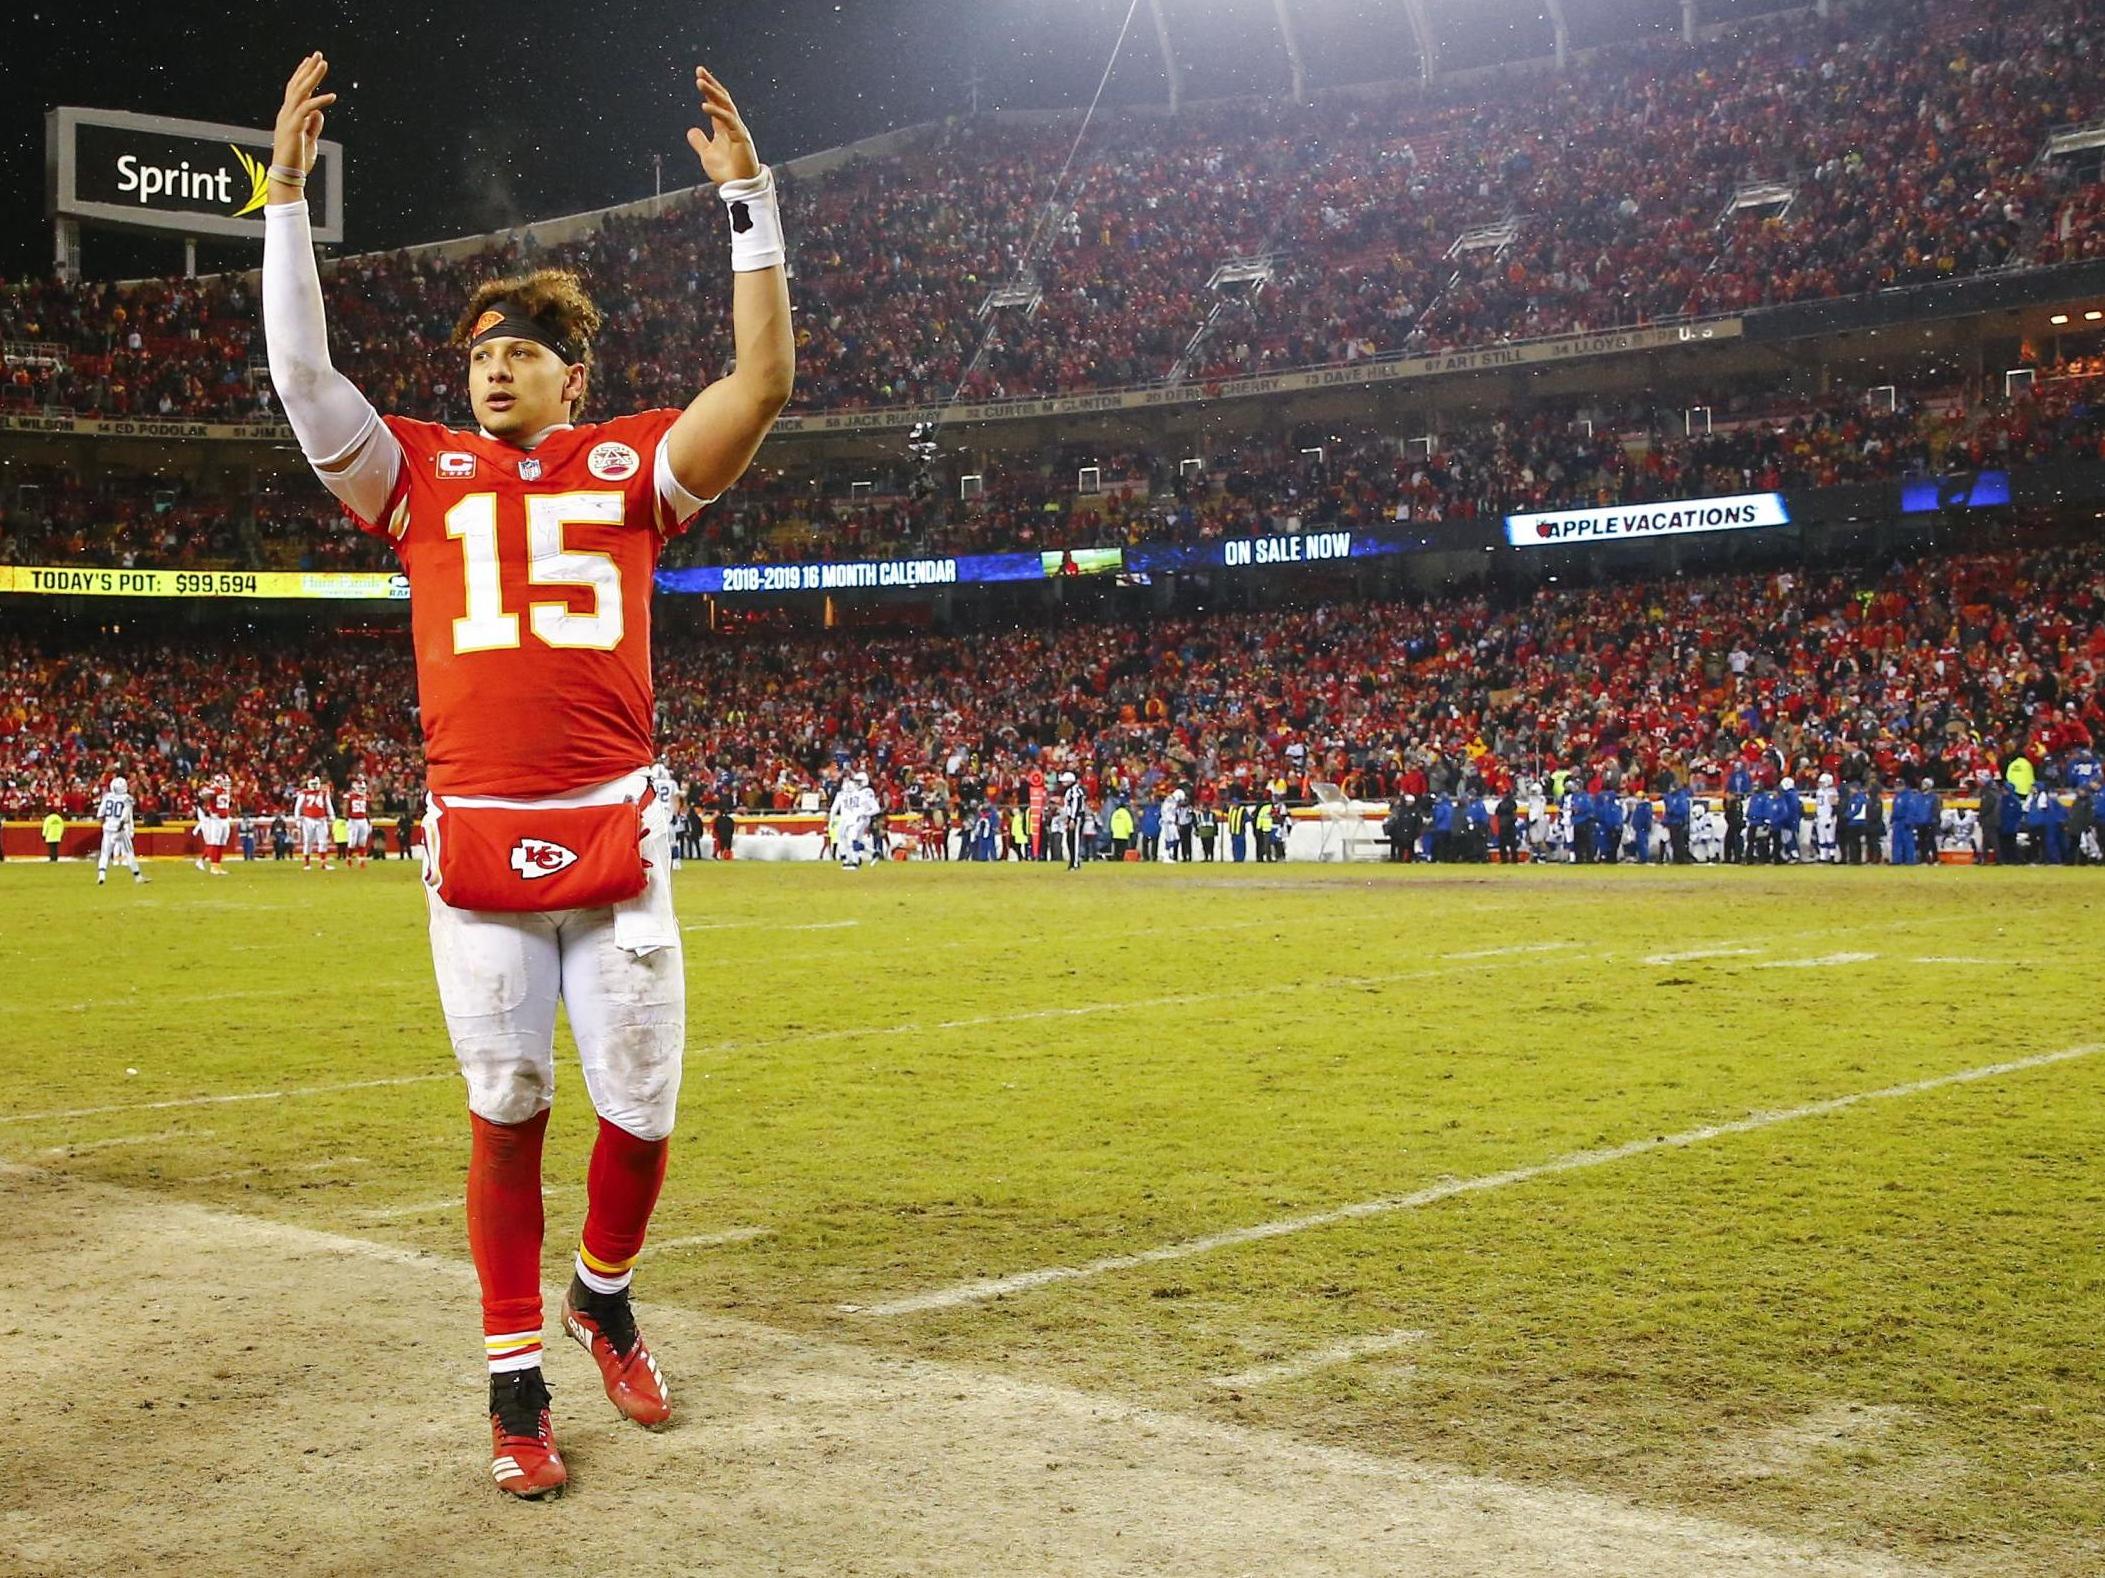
(1238,828)
(1123,829)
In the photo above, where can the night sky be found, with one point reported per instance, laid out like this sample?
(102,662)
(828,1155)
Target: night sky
(471,116)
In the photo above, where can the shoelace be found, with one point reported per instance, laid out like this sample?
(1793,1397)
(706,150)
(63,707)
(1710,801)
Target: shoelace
(615,1319)
(518,1403)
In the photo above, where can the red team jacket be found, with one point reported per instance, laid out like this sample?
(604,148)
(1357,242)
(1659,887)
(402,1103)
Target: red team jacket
(530,593)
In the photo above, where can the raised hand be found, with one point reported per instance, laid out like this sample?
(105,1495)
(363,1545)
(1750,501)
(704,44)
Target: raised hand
(299,126)
(726,147)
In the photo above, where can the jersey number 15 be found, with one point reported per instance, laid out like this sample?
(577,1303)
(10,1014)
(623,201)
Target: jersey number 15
(486,627)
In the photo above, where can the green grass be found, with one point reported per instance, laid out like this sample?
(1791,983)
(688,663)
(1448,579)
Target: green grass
(1879,1324)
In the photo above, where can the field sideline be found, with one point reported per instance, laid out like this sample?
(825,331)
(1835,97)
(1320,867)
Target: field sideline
(1769,1199)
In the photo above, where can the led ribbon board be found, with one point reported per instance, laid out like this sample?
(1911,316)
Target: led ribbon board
(47,580)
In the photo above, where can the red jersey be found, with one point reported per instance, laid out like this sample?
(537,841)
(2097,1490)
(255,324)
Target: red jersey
(314,804)
(355,806)
(530,592)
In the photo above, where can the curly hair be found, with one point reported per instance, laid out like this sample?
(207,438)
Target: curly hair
(556,297)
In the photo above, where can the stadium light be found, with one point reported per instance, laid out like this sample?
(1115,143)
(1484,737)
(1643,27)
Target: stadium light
(2093,315)
(2059,317)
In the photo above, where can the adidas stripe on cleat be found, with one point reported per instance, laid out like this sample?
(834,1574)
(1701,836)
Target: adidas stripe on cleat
(603,1325)
(523,1456)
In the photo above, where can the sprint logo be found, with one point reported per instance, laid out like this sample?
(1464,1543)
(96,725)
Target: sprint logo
(190,185)
(259,181)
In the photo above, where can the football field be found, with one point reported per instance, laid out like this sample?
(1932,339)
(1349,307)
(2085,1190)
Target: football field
(1182,1219)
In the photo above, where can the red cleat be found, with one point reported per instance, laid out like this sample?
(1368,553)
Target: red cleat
(603,1326)
(523,1456)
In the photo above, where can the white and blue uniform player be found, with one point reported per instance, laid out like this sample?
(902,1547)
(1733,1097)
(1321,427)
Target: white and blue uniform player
(1827,822)
(852,809)
(117,832)
(667,788)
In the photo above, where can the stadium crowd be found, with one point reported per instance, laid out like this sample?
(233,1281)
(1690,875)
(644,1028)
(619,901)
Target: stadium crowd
(1910,151)
(1947,669)
(1537,460)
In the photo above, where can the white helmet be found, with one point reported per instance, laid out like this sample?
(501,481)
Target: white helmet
(863,779)
(1827,780)
(313,781)
(119,785)
(1067,778)
(1788,784)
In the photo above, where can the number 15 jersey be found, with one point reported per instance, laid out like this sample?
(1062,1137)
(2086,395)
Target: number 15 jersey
(530,593)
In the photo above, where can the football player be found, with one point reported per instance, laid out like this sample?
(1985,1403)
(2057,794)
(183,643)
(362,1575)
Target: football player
(117,831)
(358,822)
(529,542)
(316,812)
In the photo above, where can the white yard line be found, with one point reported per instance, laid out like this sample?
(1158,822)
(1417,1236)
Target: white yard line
(1320,1359)
(988,1288)
(1500,953)
(158,1000)
(1692,954)
(129,1139)
(213,1101)
(1825,961)
(1963,958)
(730,1235)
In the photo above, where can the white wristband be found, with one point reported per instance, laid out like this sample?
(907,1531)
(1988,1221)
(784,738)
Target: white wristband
(756,222)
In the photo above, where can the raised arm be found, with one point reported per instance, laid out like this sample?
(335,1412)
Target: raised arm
(341,435)
(714,440)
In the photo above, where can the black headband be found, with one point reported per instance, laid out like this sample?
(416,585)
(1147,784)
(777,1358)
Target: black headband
(507,320)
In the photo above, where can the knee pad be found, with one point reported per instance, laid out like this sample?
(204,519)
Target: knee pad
(638,1086)
(508,1082)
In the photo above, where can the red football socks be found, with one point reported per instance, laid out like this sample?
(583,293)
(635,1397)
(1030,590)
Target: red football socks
(621,1190)
(504,1236)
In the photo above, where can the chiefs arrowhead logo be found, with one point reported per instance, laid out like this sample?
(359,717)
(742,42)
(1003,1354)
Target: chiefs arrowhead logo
(537,857)
(487,321)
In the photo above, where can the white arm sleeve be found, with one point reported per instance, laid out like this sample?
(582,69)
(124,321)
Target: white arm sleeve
(679,504)
(340,433)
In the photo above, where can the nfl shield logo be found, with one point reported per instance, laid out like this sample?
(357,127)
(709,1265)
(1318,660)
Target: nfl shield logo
(529,471)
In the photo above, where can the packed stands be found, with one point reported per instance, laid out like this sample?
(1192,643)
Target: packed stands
(1793,160)
(789,513)
(1944,667)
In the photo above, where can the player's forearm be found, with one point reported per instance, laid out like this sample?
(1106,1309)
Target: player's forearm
(338,430)
(760,329)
